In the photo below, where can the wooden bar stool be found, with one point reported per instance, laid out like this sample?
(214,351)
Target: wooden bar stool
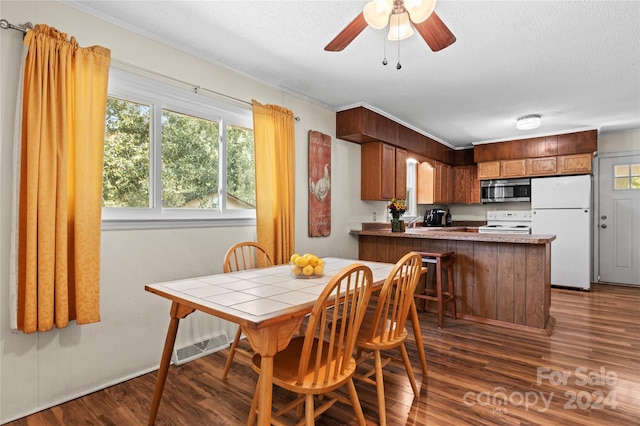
(442,260)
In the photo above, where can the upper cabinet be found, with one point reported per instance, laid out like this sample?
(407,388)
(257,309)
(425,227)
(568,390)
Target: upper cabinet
(466,186)
(570,153)
(549,146)
(436,183)
(383,174)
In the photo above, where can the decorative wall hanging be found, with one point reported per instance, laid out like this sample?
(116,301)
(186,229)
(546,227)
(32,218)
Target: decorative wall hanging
(319,184)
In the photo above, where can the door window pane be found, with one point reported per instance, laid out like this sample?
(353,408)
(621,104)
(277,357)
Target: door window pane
(627,176)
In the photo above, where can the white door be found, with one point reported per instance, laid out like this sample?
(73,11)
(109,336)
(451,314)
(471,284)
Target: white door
(619,219)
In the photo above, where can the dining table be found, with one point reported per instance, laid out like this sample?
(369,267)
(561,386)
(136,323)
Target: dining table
(269,304)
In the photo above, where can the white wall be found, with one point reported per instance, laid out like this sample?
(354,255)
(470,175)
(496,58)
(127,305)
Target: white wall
(43,369)
(619,141)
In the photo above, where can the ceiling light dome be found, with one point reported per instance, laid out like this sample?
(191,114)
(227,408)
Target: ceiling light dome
(529,122)
(399,27)
(377,12)
(419,10)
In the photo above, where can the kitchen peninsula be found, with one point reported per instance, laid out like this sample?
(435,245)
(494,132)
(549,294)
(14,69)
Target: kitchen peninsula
(500,279)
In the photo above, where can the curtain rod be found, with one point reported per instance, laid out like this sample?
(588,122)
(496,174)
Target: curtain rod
(195,87)
(6,25)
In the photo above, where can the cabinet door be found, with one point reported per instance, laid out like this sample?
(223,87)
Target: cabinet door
(488,170)
(514,168)
(383,175)
(474,185)
(574,164)
(443,183)
(541,166)
(450,188)
(425,183)
(401,173)
(461,184)
(388,170)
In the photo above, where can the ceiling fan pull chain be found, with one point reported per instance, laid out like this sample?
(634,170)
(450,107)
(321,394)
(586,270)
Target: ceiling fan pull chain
(398,66)
(384,43)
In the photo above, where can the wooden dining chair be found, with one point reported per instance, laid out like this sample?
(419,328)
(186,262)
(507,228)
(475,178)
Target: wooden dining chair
(383,328)
(322,360)
(242,256)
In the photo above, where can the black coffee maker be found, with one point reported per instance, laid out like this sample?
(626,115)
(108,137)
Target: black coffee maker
(434,217)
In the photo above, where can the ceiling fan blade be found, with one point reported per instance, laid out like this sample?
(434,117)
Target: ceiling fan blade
(347,35)
(435,33)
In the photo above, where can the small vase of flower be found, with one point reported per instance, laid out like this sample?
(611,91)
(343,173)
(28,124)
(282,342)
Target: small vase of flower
(397,208)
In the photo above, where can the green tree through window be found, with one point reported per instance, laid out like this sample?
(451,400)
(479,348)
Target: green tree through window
(176,162)
(125,179)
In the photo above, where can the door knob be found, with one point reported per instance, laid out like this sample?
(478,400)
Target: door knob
(603,225)
(603,217)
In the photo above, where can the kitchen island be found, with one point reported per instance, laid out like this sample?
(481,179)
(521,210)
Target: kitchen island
(500,279)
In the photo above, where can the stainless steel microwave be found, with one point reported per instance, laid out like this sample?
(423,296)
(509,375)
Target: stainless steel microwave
(505,190)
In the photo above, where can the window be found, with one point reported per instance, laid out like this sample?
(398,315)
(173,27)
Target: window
(627,176)
(412,179)
(172,155)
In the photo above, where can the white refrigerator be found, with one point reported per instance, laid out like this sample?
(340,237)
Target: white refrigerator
(562,206)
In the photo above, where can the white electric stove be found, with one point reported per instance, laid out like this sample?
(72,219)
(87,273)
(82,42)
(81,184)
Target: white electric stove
(507,222)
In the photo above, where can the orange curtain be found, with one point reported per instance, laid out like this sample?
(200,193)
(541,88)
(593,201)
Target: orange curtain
(60,181)
(274,139)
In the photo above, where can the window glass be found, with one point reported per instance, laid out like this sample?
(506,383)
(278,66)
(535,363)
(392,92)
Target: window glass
(189,161)
(125,179)
(621,170)
(627,176)
(411,200)
(241,181)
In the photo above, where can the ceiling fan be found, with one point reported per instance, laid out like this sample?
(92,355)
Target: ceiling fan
(400,16)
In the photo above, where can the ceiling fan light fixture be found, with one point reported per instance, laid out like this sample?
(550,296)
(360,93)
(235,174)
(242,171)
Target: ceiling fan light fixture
(377,12)
(419,10)
(529,122)
(399,27)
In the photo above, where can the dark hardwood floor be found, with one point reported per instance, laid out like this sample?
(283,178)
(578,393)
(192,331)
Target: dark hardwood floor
(586,373)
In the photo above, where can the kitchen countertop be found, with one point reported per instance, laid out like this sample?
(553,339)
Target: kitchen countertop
(463,233)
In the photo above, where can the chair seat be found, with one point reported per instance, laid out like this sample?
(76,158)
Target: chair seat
(285,369)
(380,340)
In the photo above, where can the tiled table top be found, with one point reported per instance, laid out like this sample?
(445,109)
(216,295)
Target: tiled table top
(254,296)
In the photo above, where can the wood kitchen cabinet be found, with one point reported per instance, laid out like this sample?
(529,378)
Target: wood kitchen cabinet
(513,168)
(466,186)
(575,164)
(542,166)
(489,170)
(443,183)
(383,174)
(435,183)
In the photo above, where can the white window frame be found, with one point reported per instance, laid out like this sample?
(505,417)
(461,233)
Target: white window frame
(161,95)
(412,189)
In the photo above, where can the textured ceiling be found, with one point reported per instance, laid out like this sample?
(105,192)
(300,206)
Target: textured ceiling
(576,63)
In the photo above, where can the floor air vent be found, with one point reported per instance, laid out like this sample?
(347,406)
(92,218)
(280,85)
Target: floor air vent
(196,350)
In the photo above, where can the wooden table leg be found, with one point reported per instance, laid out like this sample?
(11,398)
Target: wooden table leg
(177,312)
(267,342)
(415,321)
(265,391)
